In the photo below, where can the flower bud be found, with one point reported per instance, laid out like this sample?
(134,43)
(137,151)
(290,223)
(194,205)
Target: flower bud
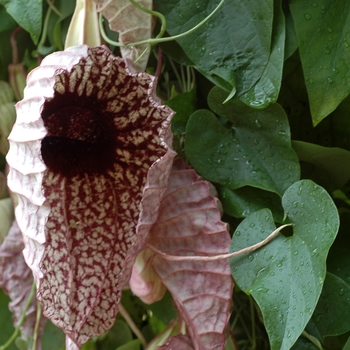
(84,27)
(17,79)
(7,119)
(6,93)
(6,217)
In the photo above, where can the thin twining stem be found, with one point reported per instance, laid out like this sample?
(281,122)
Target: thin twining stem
(221,256)
(21,320)
(158,40)
(132,325)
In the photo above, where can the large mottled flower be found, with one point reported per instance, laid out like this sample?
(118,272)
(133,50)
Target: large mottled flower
(89,159)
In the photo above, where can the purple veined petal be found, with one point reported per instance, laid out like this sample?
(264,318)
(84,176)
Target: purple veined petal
(189,224)
(178,342)
(16,279)
(132,24)
(89,159)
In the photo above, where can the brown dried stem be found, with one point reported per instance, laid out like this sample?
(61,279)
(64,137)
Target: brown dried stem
(221,256)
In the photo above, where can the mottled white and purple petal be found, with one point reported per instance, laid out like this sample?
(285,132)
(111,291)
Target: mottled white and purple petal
(89,158)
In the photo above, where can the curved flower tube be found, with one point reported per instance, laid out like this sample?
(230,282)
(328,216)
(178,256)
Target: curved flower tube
(89,159)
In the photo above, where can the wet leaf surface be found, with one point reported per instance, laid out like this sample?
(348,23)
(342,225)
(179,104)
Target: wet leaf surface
(323,30)
(286,276)
(253,149)
(217,48)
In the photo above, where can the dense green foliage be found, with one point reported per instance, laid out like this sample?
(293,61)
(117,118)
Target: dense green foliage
(277,151)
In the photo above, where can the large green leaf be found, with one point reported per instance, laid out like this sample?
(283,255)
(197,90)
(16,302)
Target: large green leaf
(333,161)
(329,315)
(7,21)
(323,30)
(27,13)
(233,45)
(291,43)
(255,151)
(286,276)
(244,201)
(183,105)
(266,90)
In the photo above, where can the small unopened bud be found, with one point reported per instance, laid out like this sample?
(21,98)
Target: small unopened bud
(144,281)
(6,92)
(84,27)
(3,188)
(7,119)
(6,217)
(17,79)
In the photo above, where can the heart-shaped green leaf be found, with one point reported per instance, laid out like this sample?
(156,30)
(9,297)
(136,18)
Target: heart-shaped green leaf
(253,150)
(286,276)
(27,14)
(232,47)
(242,202)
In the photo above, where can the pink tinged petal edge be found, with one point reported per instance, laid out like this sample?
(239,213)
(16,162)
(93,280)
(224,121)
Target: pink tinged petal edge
(83,231)
(16,279)
(178,342)
(189,224)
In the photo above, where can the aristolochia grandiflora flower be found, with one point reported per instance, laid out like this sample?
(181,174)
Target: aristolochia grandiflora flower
(89,159)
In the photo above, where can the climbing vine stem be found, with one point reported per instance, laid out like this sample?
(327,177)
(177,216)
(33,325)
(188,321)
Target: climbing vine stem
(20,322)
(158,39)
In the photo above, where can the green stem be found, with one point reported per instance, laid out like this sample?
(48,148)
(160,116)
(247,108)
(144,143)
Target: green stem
(252,313)
(132,325)
(313,340)
(45,26)
(23,316)
(54,9)
(160,40)
(37,324)
(153,13)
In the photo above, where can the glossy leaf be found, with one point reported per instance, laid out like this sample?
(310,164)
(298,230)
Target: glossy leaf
(291,43)
(255,151)
(27,13)
(183,105)
(189,224)
(233,46)
(347,345)
(132,24)
(87,224)
(333,161)
(286,276)
(244,201)
(329,315)
(323,30)
(266,90)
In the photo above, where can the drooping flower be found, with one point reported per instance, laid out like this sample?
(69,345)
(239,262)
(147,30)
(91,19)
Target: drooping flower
(89,159)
